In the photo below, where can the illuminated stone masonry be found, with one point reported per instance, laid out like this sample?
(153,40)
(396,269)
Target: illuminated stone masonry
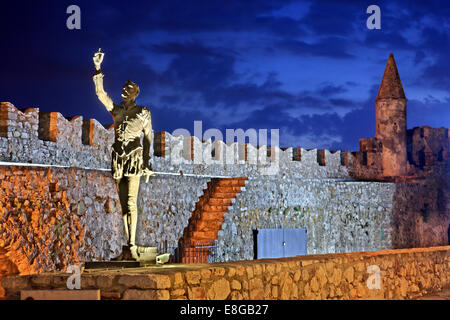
(391,274)
(51,217)
(49,138)
(340,216)
(30,136)
(59,205)
(310,189)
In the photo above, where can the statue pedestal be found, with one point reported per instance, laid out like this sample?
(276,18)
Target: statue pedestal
(144,256)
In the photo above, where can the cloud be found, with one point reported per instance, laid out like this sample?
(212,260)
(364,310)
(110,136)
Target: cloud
(423,112)
(319,48)
(329,89)
(332,17)
(438,45)
(307,68)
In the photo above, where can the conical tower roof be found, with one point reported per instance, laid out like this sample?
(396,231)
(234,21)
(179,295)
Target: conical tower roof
(391,86)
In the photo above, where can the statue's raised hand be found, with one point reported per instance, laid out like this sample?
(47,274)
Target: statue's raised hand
(98,58)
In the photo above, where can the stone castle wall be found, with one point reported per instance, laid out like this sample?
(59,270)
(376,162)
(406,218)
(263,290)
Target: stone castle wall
(49,138)
(30,136)
(428,146)
(51,217)
(59,205)
(422,210)
(54,217)
(340,215)
(427,151)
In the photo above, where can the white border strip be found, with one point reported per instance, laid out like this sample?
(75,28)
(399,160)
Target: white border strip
(20,164)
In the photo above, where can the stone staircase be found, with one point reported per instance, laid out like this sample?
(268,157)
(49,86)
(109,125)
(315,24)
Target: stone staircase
(201,233)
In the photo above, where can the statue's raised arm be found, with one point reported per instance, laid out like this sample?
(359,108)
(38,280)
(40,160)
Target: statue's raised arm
(98,81)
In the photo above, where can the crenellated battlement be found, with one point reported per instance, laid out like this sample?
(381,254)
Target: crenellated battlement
(31,136)
(215,157)
(190,149)
(427,146)
(48,137)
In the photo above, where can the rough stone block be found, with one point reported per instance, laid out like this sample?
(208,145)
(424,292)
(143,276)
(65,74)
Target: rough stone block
(196,293)
(219,290)
(193,277)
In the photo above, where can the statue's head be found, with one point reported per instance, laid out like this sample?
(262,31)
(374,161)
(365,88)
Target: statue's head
(130,91)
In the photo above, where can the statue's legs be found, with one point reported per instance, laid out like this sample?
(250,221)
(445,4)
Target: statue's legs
(121,185)
(128,188)
(133,190)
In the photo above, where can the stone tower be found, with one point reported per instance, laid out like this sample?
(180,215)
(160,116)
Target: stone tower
(391,121)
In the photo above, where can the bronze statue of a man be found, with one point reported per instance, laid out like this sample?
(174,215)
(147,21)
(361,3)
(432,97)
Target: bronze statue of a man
(130,160)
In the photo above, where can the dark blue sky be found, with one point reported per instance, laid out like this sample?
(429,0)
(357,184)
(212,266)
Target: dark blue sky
(309,68)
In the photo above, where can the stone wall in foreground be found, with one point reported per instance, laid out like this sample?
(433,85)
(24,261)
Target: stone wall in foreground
(403,274)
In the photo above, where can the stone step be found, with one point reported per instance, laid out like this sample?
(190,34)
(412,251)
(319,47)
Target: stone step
(212,216)
(210,223)
(203,235)
(224,195)
(197,249)
(228,189)
(207,225)
(231,183)
(210,208)
(220,202)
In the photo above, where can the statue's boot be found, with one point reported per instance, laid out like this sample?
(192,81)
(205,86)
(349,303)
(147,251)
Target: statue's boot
(134,252)
(140,253)
(125,255)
